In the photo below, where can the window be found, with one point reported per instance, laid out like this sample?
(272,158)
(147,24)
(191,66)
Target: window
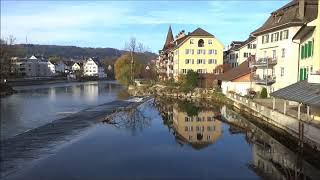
(272,36)
(187,61)
(285,34)
(215,51)
(282,72)
(209,41)
(309,48)
(210,51)
(191,41)
(246,54)
(274,54)
(184,71)
(201,43)
(283,54)
(201,61)
(201,51)
(212,61)
(265,39)
(187,51)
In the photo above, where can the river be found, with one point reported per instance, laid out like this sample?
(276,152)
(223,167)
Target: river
(174,139)
(34,106)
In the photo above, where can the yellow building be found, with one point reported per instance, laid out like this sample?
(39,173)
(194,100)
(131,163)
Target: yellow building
(199,51)
(199,131)
(308,38)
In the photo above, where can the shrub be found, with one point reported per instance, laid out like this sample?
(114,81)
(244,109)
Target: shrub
(264,93)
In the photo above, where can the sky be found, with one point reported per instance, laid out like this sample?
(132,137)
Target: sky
(113,23)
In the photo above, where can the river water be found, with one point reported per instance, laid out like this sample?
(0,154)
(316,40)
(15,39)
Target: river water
(34,106)
(174,139)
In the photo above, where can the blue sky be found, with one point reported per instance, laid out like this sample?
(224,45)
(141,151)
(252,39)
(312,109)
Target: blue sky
(111,23)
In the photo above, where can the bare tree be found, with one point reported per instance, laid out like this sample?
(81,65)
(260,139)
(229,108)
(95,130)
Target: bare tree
(6,52)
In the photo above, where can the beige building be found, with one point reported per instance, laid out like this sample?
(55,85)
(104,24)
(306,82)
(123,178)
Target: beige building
(199,51)
(277,56)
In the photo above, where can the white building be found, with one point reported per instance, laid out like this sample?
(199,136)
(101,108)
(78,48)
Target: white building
(277,55)
(76,67)
(93,68)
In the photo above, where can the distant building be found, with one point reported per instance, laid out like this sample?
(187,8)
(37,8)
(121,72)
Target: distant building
(34,67)
(93,68)
(76,67)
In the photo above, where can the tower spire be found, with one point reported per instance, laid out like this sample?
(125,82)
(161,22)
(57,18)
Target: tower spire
(169,38)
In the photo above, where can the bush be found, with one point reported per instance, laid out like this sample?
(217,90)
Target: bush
(264,93)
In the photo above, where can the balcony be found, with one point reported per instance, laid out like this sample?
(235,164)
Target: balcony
(264,62)
(266,80)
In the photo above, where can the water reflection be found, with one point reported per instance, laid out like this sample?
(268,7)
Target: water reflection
(200,126)
(34,106)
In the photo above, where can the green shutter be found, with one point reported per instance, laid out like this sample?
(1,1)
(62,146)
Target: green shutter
(302,52)
(309,48)
(306,50)
(301,74)
(305,74)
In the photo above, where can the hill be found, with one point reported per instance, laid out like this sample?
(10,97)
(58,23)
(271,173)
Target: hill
(68,52)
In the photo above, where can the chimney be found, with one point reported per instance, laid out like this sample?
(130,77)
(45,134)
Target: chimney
(301,9)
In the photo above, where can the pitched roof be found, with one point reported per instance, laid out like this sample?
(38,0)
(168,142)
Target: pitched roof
(197,32)
(169,39)
(302,91)
(288,16)
(200,32)
(242,70)
(303,31)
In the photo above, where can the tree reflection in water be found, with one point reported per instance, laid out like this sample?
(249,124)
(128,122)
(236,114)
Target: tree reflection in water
(131,119)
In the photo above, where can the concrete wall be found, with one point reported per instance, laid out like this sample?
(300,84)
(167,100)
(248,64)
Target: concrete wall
(287,123)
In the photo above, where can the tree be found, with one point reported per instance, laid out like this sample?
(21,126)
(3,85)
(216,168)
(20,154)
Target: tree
(192,79)
(7,52)
(123,72)
(54,59)
(264,93)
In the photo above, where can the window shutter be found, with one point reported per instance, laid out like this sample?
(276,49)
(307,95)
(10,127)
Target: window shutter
(302,52)
(301,74)
(305,74)
(306,50)
(310,49)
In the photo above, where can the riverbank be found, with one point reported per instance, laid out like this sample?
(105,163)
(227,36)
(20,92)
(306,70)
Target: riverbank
(6,90)
(47,138)
(303,133)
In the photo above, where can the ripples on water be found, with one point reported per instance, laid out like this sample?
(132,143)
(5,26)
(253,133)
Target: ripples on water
(176,140)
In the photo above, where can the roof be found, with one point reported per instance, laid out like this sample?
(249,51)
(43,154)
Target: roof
(242,70)
(302,91)
(288,16)
(250,39)
(200,32)
(169,39)
(197,32)
(303,31)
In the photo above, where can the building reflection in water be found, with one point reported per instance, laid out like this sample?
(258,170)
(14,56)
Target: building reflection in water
(270,158)
(199,130)
(191,125)
(91,92)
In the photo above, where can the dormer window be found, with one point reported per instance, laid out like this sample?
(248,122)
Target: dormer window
(209,41)
(191,41)
(201,43)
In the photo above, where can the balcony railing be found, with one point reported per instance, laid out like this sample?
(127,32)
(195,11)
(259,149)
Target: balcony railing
(264,62)
(267,80)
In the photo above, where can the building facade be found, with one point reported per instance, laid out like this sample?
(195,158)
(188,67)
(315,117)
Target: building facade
(277,56)
(34,67)
(199,51)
